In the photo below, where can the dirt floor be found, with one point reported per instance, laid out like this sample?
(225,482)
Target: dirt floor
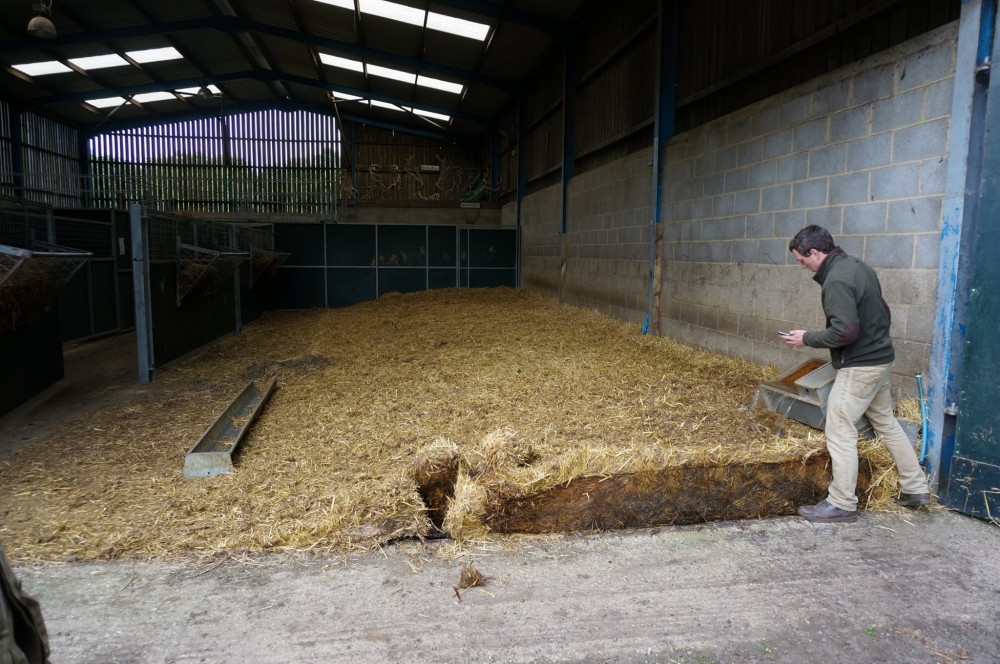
(893,587)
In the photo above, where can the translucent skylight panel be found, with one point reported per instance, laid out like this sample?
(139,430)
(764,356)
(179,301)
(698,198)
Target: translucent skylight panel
(42,68)
(146,97)
(385,104)
(343,63)
(430,114)
(214,89)
(154,55)
(438,84)
(346,4)
(106,102)
(457,26)
(99,61)
(394,74)
(394,11)
(345,97)
(414,16)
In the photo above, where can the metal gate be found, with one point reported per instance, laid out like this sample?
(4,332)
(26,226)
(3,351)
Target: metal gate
(973,479)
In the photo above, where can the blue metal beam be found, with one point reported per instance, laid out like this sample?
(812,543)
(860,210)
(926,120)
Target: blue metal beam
(569,128)
(437,136)
(522,167)
(257,75)
(17,149)
(664,126)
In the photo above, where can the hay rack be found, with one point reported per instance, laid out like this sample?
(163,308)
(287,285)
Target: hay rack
(31,278)
(213,453)
(201,270)
(264,264)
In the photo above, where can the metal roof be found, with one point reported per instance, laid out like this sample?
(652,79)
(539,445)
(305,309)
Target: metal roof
(267,54)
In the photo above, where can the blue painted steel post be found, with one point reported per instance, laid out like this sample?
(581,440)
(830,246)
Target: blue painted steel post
(494,162)
(522,184)
(569,113)
(663,129)
(960,208)
(17,150)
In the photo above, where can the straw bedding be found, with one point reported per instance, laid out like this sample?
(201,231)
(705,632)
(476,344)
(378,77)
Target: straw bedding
(449,399)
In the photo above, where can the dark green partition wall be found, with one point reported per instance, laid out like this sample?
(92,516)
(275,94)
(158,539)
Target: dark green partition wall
(202,316)
(337,265)
(32,359)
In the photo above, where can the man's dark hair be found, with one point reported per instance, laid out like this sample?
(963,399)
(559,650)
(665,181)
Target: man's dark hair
(812,237)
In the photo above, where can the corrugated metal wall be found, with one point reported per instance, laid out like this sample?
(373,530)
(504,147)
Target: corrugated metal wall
(730,53)
(395,166)
(50,163)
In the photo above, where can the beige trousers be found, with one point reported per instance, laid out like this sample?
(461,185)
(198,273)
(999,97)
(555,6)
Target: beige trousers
(861,391)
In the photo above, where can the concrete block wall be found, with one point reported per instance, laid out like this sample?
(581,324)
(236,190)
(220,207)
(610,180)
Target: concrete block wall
(861,151)
(607,238)
(541,241)
(602,260)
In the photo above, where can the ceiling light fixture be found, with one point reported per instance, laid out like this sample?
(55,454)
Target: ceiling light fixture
(41,25)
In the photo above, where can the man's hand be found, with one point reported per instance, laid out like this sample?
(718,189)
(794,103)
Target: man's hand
(794,338)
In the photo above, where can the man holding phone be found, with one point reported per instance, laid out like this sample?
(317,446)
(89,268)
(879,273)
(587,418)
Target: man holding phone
(857,334)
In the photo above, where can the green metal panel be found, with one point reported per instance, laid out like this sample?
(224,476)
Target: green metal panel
(350,285)
(303,241)
(337,265)
(442,247)
(402,246)
(351,245)
(32,359)
(401,280)
(300,288)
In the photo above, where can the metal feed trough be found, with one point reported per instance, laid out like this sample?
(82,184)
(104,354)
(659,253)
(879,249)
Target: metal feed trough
(213,453)
(801,394)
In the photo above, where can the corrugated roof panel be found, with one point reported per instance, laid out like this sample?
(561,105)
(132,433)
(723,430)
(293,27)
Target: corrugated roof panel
(392,36)
(292,57)
(451,50)
(270,12)
(174,10)
(514,52)
(328,22)
(212,51)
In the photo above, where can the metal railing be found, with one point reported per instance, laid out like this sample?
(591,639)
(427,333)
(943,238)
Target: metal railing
(199,191)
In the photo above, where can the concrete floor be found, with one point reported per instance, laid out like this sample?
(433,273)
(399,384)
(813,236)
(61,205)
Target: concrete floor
(913,587)
(95,373)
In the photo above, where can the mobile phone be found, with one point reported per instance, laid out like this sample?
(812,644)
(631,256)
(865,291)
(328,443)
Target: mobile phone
(783,333)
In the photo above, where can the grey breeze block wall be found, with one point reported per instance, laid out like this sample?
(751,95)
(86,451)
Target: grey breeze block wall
(860,151)
(541,241)
(605,262)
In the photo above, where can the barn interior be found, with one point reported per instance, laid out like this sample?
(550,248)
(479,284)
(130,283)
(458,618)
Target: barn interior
(484,266)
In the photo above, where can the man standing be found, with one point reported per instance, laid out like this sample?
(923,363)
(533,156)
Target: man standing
(857,334)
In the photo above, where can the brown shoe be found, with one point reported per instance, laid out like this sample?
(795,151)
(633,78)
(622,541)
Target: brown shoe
(824,512)
(913,499)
